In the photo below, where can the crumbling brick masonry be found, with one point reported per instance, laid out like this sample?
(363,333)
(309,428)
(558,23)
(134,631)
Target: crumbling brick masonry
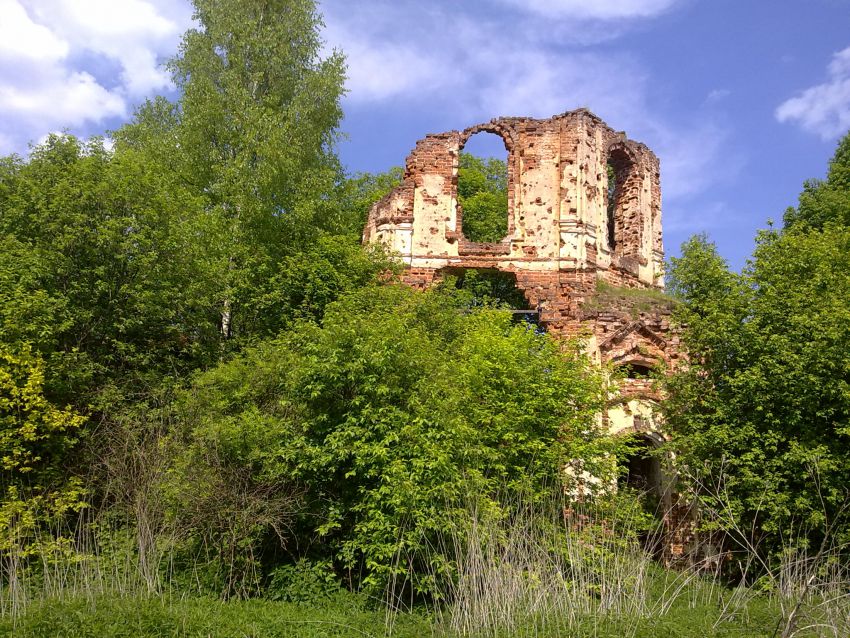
(558,244)
(564,238)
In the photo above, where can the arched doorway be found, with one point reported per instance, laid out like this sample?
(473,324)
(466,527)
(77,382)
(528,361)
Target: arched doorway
(642,476)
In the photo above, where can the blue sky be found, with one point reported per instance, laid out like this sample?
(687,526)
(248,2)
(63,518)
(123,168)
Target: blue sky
(742,99)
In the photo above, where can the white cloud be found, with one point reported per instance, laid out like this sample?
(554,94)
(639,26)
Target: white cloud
(474,69)
(823,109)
(53,53)
(695,154)
(840,65)
(594,9)
(20,37)
(717,95)
(401,53)
(388,49)
(79,97)
(542,84)
(130,32)
(379,70)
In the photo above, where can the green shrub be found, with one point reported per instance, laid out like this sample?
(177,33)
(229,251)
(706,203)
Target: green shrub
(303,582)
(378,424)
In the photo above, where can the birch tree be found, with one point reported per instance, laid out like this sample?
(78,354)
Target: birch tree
(254,133)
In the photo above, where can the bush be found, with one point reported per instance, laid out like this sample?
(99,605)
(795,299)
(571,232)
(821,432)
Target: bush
(303,582)
(384,418)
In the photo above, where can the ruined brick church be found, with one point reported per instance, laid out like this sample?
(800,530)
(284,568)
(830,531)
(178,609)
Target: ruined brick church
(573,241)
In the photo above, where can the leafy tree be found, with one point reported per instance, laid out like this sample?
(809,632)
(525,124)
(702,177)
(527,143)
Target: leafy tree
(482,193)
(32,430)
(825,201)
(259,109)
(100,269)
(35,435)
(353,198)
(389,415)
(116,265)
(120,263)
(119,268)
(765,400)
(307,281)
(253,132)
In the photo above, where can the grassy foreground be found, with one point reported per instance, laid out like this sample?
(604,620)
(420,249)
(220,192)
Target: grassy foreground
(139,617)
(346,616)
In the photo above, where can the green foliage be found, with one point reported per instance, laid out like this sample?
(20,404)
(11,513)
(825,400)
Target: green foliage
(765,400)
(137,617)
(218,220)
(390,414)
(116,270)
(33,432)
(307,281)
(258,111)
(33,534)
(304,582)
(100,269)
(353,197)
(482,287)
(482,193)
(140,617)
(119,268)
(825,201)
(251,136)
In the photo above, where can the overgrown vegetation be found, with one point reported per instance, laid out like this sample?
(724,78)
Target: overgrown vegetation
(764,402)
(379,420)
(481,287)
(631,300)
(210,392)
(482,194)
(528,572)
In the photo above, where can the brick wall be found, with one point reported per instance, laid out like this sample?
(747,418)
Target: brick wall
(557,245)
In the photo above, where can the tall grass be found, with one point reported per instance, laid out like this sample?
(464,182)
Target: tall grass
(531,568)
(85,558)
(546,567)
(554,568)
(809,586)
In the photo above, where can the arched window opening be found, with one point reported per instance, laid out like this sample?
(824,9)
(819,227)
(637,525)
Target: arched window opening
(641,470)
(610,207)
(618,167)
(636,371)
(482,188)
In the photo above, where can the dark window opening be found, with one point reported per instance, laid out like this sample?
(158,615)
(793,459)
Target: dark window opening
(641,471)
(488,287)
(611,207)
(482,188)
(618,168)
(529,318)
(636,371)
